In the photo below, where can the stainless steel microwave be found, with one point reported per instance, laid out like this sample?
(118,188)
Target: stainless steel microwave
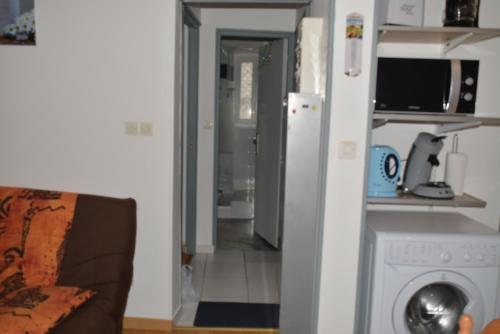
(409,85)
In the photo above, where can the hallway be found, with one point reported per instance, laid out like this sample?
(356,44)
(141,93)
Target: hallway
(243,269)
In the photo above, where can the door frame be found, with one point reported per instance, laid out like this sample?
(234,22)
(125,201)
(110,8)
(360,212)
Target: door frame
(189,219)
(220,34)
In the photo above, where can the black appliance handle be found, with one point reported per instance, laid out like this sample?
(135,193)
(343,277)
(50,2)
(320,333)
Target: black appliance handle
(433,160)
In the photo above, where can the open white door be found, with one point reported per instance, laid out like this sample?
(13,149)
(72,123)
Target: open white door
(270,113)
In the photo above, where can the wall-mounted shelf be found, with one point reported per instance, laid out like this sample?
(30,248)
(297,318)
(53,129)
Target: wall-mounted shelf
(449,37)
(466,201)
(380,119)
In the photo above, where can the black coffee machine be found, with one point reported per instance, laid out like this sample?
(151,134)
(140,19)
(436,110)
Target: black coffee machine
(461,13)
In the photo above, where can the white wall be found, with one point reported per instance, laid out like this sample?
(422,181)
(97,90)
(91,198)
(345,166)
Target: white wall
(481,145)
(212,19)
(345,189)
(63,105)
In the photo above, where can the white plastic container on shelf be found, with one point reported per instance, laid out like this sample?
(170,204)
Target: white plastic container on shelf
(402,12)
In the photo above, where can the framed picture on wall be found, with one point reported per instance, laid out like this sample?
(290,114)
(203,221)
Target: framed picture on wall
(17,22)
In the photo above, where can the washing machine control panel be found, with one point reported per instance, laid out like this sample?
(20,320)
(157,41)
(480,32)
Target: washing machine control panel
(443,254)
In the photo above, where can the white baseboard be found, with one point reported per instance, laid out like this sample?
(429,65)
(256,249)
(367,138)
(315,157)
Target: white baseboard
(205,249)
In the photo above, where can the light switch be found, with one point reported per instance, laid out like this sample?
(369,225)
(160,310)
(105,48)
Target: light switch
(347,150)
(146,128)
(131,128)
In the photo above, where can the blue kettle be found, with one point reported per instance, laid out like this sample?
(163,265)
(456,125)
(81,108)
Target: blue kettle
(385,169)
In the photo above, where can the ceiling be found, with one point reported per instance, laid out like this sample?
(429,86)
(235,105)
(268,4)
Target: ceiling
(248,3)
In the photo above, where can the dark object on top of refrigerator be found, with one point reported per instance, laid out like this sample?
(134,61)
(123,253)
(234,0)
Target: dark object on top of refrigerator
(408,85)
(461,13)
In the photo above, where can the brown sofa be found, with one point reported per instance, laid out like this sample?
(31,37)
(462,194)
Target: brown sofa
(99,253)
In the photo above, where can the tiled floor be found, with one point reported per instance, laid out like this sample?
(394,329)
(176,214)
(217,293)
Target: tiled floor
(243,269)
(238,234)
(246,276)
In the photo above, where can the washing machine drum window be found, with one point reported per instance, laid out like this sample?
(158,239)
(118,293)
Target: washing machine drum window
(435,309)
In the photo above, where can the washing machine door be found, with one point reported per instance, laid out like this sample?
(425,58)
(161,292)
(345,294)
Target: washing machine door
(433,302)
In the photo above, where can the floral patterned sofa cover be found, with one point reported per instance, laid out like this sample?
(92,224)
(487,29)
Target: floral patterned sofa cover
(65,261)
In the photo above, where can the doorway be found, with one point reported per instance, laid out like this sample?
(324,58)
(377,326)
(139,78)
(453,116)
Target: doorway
(252,84)
(189,124)
(254,72)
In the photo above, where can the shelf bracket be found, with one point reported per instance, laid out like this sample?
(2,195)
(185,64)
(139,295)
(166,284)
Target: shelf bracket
(455,42)
(377,123)
(381,35)
(451,127)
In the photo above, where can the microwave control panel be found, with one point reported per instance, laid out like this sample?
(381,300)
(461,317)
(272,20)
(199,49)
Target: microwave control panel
(468,87)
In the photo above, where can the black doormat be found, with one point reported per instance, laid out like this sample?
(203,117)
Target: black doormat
(246,315)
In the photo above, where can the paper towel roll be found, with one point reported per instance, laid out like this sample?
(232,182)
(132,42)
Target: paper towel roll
(454,174)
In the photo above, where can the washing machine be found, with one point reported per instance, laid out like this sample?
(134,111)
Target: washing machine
(423,269)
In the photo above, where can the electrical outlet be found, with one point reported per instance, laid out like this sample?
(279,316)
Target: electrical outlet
(131,128)
(146,128)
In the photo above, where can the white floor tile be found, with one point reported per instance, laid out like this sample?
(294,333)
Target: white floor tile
(185,322)
(199,269)
(188,313)
(225,299)
(264,298)
(225,256)
(225,269)
(223,287)
(198,263)
(237,276)
(197,282)
(264,290)
(262,256)
(278,280)
(262,269)
(198,259)
(198,272)
(263,284)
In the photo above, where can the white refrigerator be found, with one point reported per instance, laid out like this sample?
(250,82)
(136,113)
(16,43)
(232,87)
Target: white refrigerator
(301,214)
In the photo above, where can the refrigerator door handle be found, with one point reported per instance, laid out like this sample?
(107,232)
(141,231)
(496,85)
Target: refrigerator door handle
(257,141)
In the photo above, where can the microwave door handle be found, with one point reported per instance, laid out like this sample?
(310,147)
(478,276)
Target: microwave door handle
(455,85)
